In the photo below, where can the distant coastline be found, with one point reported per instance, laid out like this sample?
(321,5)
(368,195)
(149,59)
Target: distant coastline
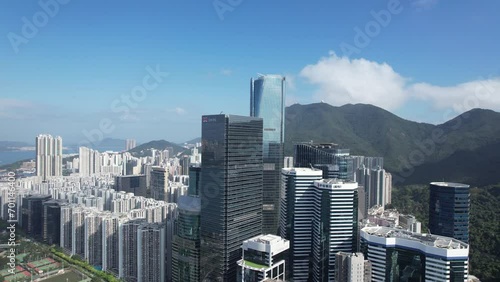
(10,157)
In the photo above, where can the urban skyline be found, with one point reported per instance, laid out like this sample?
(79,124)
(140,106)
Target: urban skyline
(317,175)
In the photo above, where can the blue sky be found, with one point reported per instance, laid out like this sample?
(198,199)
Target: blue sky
(424,60)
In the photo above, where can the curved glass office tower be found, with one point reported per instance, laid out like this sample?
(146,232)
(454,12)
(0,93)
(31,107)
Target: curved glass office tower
(186,246)
(449,205)
(267,101)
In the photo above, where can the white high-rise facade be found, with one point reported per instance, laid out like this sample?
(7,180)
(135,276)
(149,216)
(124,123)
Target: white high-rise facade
(93,239)
(400,254)
(48,156)
(78,231)
(352,267)
(264,257)
(297,199)
(66,241)
(131,144)
(110,242)
(335,224)
(377,184)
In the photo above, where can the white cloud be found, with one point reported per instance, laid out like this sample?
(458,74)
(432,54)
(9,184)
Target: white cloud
(290,82)
(342,80)
(176,110)
(481,93)
(23,110)
(226,72)
(179,111)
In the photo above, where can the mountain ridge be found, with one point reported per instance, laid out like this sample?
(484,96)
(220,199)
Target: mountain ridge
(407,146)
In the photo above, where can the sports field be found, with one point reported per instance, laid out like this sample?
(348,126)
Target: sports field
(20,275)
(45,265)
(69,275)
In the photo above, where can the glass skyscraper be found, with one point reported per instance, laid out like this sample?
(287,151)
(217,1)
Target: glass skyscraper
(186,246)
(231,191)
(267,101)
(449,205)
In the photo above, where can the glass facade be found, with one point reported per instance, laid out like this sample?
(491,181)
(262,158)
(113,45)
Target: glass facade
(449,205)
(231,191)
(267,101)
(186,246)
(51,222)
(335,162)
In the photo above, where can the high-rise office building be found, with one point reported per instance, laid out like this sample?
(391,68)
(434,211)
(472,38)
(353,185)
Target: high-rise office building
(335,225)
(48,156)
(231,191)
(267,101)
(264,257)
(130,144)
(352,267)
(186,246)
(32,214)
(297,203)
(334,161)
(159,184)
(184,163)
(151,253)
(400,255)
(449,205)
(51,233)
(131,184)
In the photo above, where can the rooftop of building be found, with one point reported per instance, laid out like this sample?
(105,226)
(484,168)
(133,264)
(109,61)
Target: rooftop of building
(426,239)
(334,181)
(351,254)
(302,170)
(271,244)
(267,239)
(450,184)
(260,75)
(189,203)
(128,176)
(38,196)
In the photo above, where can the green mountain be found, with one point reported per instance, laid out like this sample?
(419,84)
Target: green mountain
(462,149)
(145,149)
